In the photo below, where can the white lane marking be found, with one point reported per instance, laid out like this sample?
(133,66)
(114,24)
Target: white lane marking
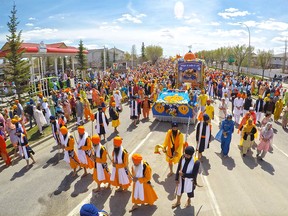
(76,210)
(280,150)
(212,195)
(143,141)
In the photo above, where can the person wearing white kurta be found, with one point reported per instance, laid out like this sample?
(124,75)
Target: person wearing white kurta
(39,118)
(46,109)
(118,98)
(186,176)
(238,105)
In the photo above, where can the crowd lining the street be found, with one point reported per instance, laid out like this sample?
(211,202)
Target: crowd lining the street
(106,93)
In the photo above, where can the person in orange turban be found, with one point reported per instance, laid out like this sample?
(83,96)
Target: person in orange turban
(136,158)
(84,146)
(70,156)
(117,141)
(101,173)
(143,192)
(81,130)
(119,177)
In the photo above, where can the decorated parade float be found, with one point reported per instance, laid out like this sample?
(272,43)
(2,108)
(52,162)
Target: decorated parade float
(181,105)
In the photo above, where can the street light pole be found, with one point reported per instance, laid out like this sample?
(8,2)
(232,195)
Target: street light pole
(249,47)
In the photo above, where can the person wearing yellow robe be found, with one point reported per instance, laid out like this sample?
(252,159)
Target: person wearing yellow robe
(173,146)
(84,150)
(278,109)
(143,192)
(119,175)
(70,156)
(101,172)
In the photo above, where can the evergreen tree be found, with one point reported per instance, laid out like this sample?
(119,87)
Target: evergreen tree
(114,55)
(17,70)
(102,58)
(81,57)
(65,63)
(143,57)
(107,59)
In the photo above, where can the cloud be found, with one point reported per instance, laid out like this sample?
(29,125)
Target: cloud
(130,18)
(31,18)
(270,25)
(193,21)
(29,24)
(214,23)
(179,10)
(233,12)
(59,16)
(273,25)
(37,34)
(167,34)
(110,27)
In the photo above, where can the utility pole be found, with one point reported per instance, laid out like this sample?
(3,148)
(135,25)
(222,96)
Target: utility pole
(284,58)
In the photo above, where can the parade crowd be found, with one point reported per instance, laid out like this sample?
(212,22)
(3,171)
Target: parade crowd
(246,106)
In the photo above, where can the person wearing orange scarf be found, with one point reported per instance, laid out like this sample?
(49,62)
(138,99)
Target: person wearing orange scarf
(143,192)
(84,146)
(119,174)
(101,173)
(70,156)
(173,146)
(248,134)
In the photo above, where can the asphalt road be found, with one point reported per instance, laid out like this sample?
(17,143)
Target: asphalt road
(231,186)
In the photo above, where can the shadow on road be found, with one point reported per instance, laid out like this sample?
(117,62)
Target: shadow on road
(249,160)
(21,172)
(228,162)
(54,160)
(266,166)
(54,148)
(82,184)
(185,211)
(205,165)
(116,207)
(168,184)
(99,198)
(65,183)
(112,135)
(146,210)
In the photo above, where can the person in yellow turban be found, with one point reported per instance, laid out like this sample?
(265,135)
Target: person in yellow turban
(68,142)
(119,176)
(84,146)
(143,192)
(249,134)
(101,172)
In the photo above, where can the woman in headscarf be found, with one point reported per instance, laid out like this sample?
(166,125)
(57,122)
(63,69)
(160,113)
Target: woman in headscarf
(266,137)
(11,130)
(278,109)
(87,109)
(285,117)
(248,134)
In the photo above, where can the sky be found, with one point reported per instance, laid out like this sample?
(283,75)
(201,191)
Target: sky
(174,25)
